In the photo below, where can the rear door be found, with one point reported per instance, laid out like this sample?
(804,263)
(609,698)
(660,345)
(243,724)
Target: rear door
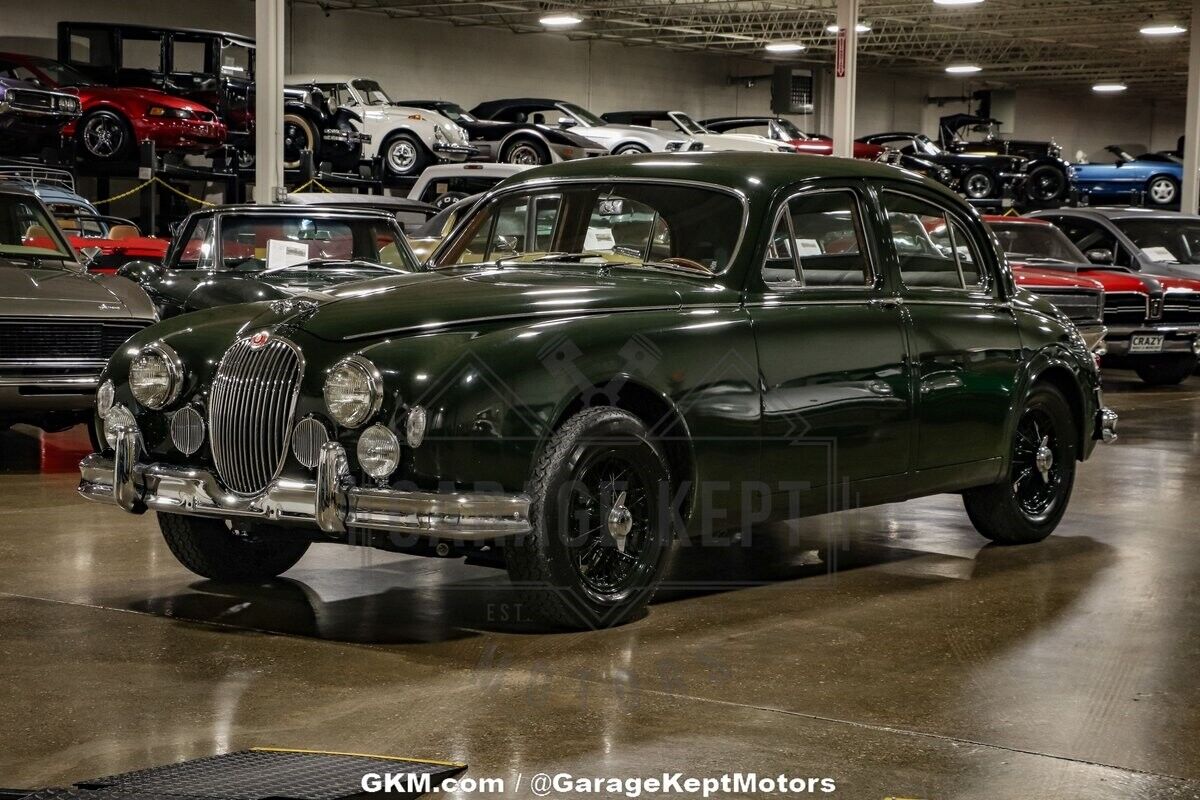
(963,336)
(837,399)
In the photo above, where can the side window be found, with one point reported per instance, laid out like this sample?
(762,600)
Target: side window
(197,251)
(934,249)
(819,242)
(1090,236)
(509,230)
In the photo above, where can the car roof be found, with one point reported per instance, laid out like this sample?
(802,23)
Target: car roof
(320,77)
(337,200)
(489,107)
(751,118)
(297,209)
(1118,212)
(236,37)
(622,116)
(752,173)
(1009,218)
(10,188)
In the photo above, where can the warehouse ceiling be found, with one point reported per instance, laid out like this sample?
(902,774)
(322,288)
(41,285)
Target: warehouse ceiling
(1059,42)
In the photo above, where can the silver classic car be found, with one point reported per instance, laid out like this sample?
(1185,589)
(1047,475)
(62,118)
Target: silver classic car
(58,324)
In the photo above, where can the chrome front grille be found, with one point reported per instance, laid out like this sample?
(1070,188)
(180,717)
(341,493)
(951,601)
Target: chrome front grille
(1125,308)
(1181,308)
(250,411)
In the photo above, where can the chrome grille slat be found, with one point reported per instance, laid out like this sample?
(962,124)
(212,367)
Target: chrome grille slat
(251,404)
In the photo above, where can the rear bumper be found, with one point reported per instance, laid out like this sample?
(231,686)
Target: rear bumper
(332,503)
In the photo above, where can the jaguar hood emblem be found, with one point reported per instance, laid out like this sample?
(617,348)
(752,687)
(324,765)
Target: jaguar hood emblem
(259,339)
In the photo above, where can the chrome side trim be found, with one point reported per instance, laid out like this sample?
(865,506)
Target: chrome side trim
(332,504)
(51,381)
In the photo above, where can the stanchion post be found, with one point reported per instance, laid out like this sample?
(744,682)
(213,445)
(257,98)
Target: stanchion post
(149,196)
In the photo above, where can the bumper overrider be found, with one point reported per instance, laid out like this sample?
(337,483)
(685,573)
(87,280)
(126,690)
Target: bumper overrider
(332,503)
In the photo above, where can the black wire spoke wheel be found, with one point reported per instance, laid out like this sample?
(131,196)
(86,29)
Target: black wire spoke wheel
(608,524)
(1029,501)
(1037,464)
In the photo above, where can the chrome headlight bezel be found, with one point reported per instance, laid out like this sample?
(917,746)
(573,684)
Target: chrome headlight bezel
(172,367)
(378,451)
(373,381)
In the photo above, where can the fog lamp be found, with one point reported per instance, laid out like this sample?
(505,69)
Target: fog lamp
(117,417)
(378,452)
(104,398)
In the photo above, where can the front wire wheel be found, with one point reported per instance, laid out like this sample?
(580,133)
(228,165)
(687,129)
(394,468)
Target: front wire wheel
(1027,505)
(601,538)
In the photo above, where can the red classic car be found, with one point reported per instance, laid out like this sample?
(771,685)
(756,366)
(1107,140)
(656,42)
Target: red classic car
(115,119)
(1153,322)
(107,243)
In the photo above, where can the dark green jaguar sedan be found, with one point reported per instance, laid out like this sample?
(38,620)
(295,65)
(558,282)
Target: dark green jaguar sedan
(605,358)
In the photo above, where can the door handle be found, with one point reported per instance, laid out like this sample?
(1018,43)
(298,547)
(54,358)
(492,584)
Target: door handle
(886,302)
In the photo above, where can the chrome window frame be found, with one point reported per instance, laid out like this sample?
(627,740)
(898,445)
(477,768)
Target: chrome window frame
(872,277)
(986,287)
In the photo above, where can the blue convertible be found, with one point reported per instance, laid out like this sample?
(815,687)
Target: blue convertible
(1156,175)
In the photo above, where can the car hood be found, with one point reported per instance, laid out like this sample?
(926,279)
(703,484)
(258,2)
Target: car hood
(1032,278)
(118,94)
(1113,279)
(55,291)
(427,301)
(643,131)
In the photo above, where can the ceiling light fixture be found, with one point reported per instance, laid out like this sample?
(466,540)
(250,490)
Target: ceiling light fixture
(963,69)
(861,27)
(1109,88)
(560,20)
(784,47)
(956,2)
(1162,27)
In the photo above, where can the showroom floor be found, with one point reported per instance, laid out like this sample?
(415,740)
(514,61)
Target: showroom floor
(927,666)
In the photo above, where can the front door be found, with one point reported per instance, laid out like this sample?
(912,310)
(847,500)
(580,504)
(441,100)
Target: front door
(962,333)
(836,400)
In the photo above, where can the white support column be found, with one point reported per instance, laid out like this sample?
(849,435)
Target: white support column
(845,69)
(268,100)
(1191,127)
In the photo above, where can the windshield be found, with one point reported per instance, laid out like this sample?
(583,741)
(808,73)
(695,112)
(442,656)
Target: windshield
(61,74)
(1022,240)
(27,230)
(790,131)
(687,124)
(605,224)
(371,93)
(251,242)
(1164,240)
(926,146)
(584,116)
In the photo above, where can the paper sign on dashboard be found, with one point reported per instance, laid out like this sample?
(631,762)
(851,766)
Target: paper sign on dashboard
(282,253)
(1159,254)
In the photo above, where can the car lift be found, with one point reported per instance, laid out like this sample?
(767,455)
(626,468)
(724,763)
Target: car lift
(257,774)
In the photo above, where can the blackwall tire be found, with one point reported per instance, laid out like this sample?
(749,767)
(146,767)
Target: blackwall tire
(1028,503)
(105,136)
(210,549)
(1166,371)
(526,152)
(404,156)
(630,149)
(1046,184)
(575,570)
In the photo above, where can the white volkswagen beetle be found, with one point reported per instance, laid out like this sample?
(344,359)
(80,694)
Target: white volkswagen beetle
(406,139)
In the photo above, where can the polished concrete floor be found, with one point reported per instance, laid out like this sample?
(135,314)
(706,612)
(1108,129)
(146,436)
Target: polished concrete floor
(926,665)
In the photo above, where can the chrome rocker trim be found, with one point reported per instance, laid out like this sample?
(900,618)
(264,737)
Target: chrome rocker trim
(333,503)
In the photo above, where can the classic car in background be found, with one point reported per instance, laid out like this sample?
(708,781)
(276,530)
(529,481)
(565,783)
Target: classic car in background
(681,124)
(248,253)
(783,130)
(376,414)
(58,324)
(405,139)
(411,214)
(515,142)
(449,183)
(215,68)
(1152,323)
(1156,177)
(1149,241)
(619,139)
(101,242)
(115,119)
(1047,172)
(425,238)
(979,176)
(31,117)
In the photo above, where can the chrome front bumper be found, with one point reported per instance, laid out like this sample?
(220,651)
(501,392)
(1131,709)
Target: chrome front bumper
(455,152)
(332,503)
(1106,425)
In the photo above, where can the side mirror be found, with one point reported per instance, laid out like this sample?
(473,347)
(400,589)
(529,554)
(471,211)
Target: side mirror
(566,122)
(1100,256)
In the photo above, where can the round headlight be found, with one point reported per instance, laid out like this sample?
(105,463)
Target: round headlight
(378,451)
(117,417)
(156,376)
(104,398)
(353,391)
